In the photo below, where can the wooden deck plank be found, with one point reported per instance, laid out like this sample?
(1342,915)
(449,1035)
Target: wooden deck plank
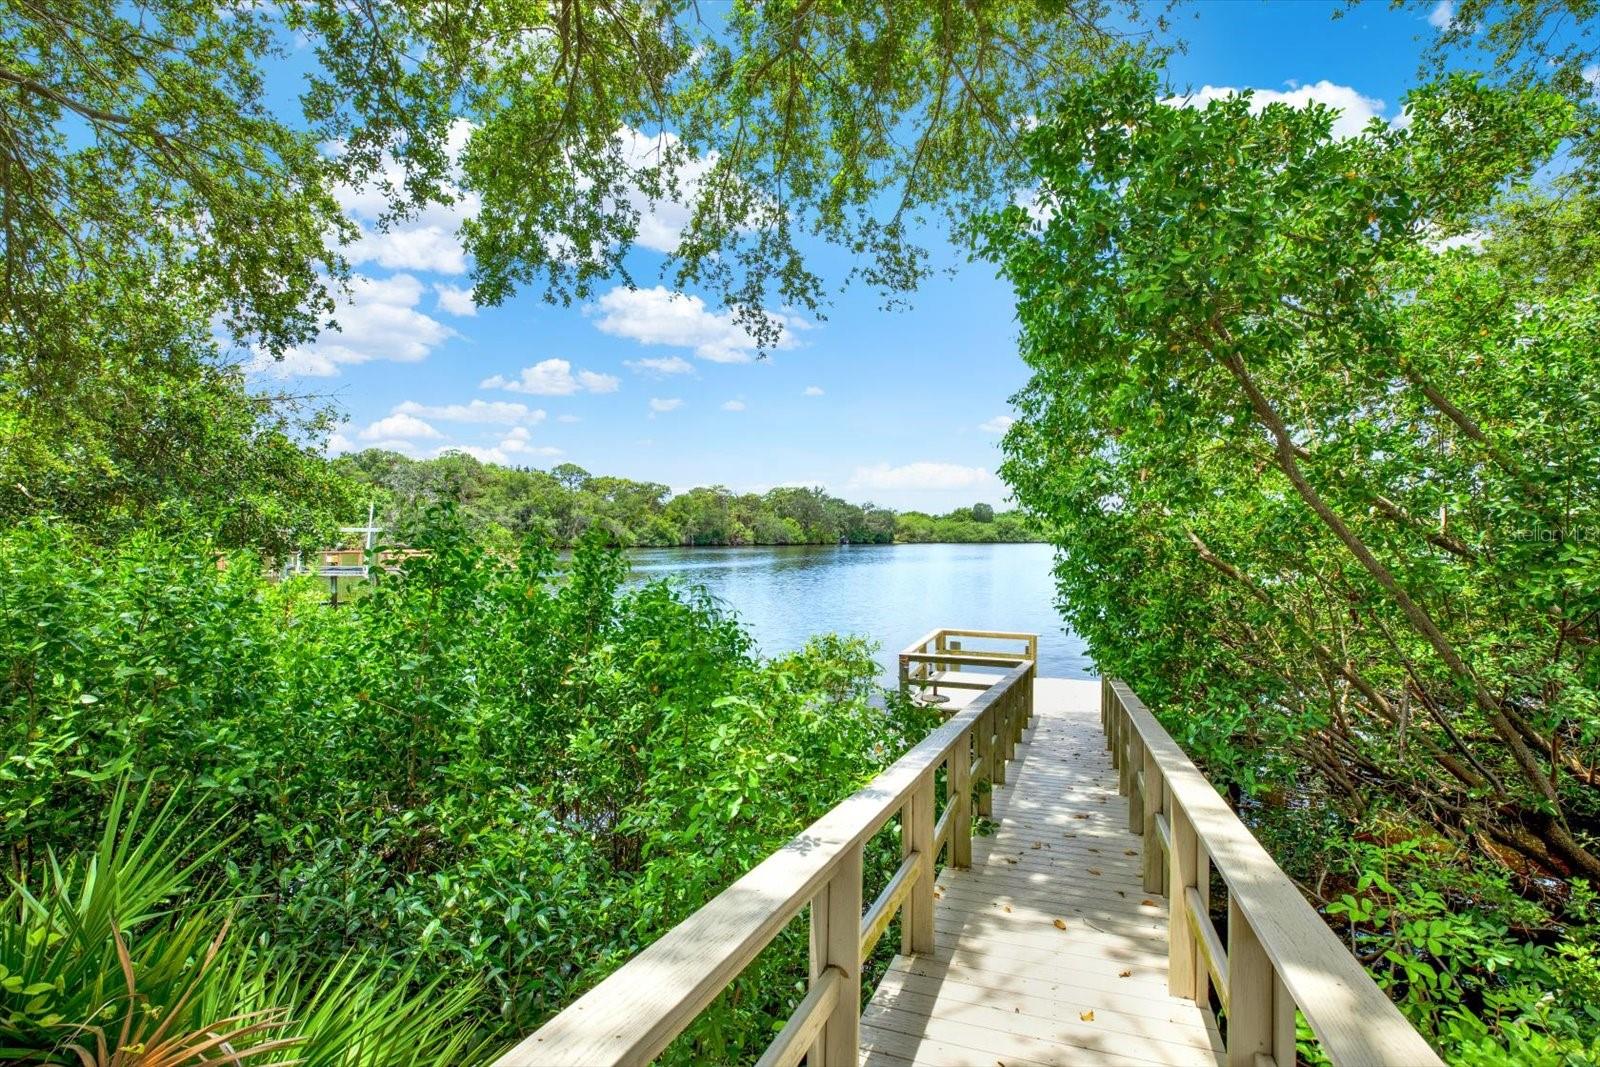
(1004,983)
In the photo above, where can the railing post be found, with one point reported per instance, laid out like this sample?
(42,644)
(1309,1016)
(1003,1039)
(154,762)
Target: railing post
(1154,788)
(1111,720)
(916,838)
(1010,746)
(960,798)
(984,728)
(1135,763)
(836,942)
(1028,681)
(1254,1006)
(905,675)
(1202,886)
(1182,954)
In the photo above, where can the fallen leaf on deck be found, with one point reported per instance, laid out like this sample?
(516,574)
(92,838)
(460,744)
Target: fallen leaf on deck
(1008,907)
(1086,1016)
(1130,852)
(1125,974)
(1011,861)
(1147,902)
(1094,870)
(1061,924)
(1037,844)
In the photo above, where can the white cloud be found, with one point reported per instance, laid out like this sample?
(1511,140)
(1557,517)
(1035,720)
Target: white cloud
(659,316)
(553,377)
(1355,109)
(1442,15)
(663,365)
(922,475)
(400,425)
(515,446)
(662,222)
(998,424)
(1472,239)
(428,240)
(491,412)
(812,390)
(665,404)
(338,444)
(568,418)
(378,320)
(733,405)
(456,300)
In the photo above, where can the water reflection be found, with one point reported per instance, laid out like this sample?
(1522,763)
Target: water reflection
(892,594)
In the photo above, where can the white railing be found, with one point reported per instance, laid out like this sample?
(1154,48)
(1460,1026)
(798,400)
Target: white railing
(938,656)
(1280,955)
(631,1016)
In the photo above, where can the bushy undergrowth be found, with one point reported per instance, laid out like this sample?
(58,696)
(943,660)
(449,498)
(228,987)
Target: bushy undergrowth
(489,773)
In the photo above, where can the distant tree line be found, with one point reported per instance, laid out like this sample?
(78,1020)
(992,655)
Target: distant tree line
(566,502)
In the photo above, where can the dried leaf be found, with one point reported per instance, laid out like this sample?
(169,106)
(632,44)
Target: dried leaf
(1125,974)
(1037,845)
(1094,870)
(1008,907)
(1061,924)
(1130,852)
(1086,1016)
(1147,902)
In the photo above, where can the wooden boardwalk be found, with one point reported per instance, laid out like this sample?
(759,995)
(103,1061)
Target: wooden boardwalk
(1006,983)
(1046,946)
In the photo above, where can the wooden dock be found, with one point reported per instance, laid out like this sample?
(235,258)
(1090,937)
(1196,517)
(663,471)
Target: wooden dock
(1054,908)
(1005,982)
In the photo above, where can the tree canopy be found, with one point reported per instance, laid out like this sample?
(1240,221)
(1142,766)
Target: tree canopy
(1321,487)
(566,503)
(146,139)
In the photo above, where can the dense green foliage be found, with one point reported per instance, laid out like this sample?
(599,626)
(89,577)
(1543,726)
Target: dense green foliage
(1330,498)
(567,503)
(120,955)
(145,141)
(497,775)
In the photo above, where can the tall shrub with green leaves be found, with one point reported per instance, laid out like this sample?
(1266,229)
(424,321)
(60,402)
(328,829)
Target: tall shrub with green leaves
(508,772)
(1323,490)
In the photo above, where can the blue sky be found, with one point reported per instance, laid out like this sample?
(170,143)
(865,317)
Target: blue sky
(902,408)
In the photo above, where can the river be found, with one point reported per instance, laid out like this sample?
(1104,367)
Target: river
(892,594)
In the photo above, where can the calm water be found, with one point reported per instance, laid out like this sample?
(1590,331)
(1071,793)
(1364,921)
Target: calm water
(892,594)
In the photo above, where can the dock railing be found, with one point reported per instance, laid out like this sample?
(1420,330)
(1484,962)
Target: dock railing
(632,1015)
(940,654)
(1280,955)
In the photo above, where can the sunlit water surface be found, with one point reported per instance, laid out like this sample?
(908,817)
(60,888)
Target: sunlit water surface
(892,594)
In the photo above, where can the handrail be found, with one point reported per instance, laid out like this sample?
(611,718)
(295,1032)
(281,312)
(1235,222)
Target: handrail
(928,660)
(632,1015)
(1281,956)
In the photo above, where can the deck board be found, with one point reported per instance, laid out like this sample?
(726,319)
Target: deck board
(1004,984)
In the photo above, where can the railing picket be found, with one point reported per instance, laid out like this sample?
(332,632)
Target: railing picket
(959,790)
(1182,951)
(1154,855)
(1250,993)
(916,838)
(836,942)
(984,730)
(1202,897)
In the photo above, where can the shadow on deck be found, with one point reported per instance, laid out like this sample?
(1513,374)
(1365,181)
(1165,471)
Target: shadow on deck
(1049,951)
